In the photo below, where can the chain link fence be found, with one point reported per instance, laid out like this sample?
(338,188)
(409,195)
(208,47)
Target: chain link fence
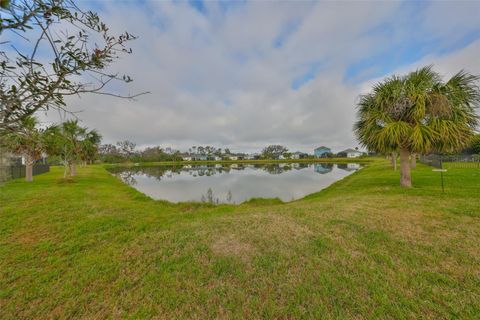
(18,171)
(452,161)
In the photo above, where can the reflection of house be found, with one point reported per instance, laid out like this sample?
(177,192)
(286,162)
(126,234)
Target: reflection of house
(350,153)
(300,166)
(322,167)
(298,155)
(322,152)
(354,166)
(349,166)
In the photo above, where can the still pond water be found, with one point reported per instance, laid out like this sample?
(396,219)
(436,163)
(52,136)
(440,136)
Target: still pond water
(234,183)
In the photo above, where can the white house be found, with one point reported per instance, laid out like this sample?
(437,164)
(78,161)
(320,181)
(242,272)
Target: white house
(253,156)
(217,158)
(350,153)
(233,158)
(298,155)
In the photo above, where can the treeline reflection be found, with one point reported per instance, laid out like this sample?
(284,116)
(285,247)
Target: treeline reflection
(169,171)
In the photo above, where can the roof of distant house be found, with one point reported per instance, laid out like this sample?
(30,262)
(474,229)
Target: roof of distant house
(322,148)
(350,151)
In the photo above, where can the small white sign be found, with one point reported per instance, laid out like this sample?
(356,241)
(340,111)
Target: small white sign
(439,170)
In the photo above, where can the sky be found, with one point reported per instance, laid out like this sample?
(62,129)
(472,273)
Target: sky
(246,74)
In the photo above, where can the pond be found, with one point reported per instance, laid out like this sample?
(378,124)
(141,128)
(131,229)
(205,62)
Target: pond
(233,183)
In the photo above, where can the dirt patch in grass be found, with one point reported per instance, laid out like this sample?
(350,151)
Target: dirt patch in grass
(281,226)
(231,246)
(67,180)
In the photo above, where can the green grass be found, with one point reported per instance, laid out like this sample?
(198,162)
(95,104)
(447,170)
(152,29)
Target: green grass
(362,248)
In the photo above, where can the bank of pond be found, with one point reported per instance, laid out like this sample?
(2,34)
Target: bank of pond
(232,183)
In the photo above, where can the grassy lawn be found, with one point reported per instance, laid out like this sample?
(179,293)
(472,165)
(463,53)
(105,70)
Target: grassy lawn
(363,248)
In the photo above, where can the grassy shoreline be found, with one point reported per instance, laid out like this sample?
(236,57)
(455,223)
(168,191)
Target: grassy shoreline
(361,248)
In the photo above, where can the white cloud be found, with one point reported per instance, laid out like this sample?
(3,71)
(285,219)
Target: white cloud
(219,78)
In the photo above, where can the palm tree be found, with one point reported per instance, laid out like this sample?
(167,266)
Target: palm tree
(89,146)
(67,141)
(418,113)
(26,141)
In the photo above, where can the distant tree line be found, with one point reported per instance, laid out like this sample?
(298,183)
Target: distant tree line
(125,151)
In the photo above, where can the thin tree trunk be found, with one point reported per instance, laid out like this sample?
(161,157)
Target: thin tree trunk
(29,169)
(413,161)
(405,177)
(73,169)
(394,161)
(65,166)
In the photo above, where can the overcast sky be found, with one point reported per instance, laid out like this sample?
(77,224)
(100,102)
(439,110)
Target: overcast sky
(246,74)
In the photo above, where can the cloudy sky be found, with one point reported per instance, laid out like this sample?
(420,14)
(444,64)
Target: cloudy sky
(246,74)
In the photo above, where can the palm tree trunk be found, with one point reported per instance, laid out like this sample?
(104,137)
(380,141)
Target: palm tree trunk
(405,177)
(394,161)
(29,168)
(73,169)
(413,161)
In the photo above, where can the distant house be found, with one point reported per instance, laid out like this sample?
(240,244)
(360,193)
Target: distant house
(350,153)
(201,157)
(186,157)
(217,158)
(322,152)
(253,156)
(298,155)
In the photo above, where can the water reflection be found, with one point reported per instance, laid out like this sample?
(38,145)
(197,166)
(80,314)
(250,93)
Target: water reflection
(349,166)
(323,168)
(234,183)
